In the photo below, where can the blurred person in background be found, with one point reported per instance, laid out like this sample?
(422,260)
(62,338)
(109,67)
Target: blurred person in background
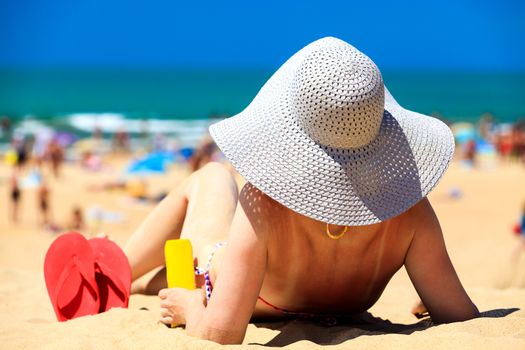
(203,153)
(503,143)
(485,126)
(20,147)
(43,194)
(77,219)
(518,140)
(55,155)
(519,230)
(470,152)
(14,195)
(121,141)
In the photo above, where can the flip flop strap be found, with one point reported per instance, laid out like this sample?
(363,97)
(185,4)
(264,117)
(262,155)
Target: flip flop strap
(108,271)
(66,273)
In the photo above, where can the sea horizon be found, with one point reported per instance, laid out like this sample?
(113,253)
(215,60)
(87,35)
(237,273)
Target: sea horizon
(64,96)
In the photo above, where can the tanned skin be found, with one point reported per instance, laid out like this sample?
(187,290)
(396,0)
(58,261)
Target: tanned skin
(274,252)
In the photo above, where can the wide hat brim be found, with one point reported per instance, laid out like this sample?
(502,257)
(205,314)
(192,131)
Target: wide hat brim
(354,186)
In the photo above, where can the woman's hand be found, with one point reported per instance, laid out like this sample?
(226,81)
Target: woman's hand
(179,306)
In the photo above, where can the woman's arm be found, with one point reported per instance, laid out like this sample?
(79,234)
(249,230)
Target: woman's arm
(431,271)
(226,317)
(238,284)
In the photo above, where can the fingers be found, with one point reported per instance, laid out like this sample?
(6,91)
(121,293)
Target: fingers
(164,312)
(174,292)
(419,310)
(167,317)
(165,304)
(170,310)
(166,320)
(163,293)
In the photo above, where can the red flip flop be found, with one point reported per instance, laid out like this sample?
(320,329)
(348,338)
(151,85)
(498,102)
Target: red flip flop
(69,271)
(112,273)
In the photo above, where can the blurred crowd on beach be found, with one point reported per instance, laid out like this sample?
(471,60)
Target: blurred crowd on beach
(489,141)
(33,158)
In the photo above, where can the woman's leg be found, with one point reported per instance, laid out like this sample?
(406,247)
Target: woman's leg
(200,209)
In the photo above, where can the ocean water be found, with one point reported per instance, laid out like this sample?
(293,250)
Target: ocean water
(185,102)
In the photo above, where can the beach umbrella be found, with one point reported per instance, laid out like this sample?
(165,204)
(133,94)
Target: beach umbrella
(153,163)
(463,132)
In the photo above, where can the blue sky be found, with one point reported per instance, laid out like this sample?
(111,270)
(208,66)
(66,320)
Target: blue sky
(436,35)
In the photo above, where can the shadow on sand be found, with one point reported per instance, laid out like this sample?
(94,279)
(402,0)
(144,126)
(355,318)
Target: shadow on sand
(292,331)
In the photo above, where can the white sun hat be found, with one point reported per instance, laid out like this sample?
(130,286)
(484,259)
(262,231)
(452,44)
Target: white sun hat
(325,138)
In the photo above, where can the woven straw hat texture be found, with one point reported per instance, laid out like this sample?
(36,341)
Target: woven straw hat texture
(325,138)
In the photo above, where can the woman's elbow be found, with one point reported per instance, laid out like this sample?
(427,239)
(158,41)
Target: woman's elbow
(458,316)
(221,336)
(475,312)
(470,313)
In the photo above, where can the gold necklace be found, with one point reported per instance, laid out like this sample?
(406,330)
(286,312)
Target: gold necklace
(332,236)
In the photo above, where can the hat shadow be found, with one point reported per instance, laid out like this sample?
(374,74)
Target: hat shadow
(383,174)
(365,324)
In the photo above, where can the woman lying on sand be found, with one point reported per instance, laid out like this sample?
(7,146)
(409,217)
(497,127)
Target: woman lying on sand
(334,204)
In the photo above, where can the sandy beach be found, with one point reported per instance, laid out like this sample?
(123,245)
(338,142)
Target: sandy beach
(477,223)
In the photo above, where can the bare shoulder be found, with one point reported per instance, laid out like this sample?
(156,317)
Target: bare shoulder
(266,215)
(255,202)
(421,216)
(417,218)
(422,209)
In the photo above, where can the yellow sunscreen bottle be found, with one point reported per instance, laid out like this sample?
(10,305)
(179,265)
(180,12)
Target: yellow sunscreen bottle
(180,272)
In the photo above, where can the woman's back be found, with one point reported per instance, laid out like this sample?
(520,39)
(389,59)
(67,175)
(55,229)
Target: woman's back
(307,271)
